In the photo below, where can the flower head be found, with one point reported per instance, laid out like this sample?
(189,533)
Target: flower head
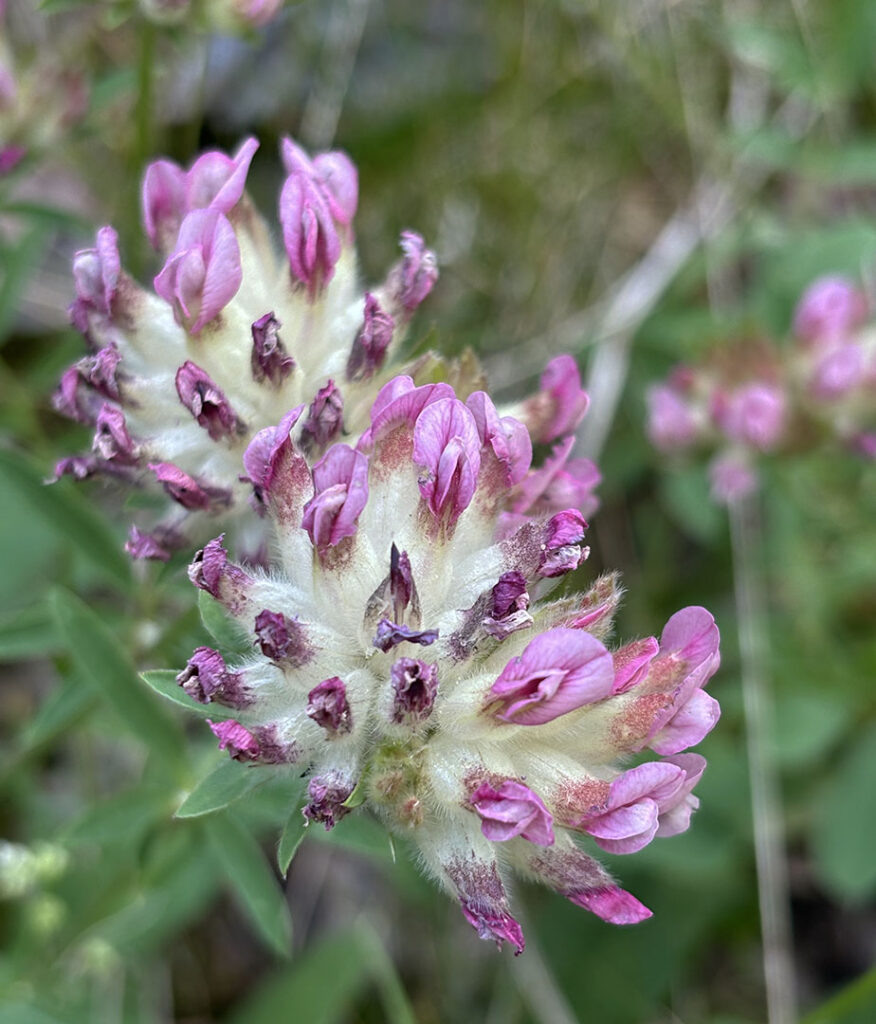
(404,647)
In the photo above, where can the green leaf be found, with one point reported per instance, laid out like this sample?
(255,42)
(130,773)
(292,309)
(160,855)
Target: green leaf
(20,262)
(163,682)
(321,985)
(71,516)
(844,831)
(59,710)
(225,784)
(854,1004)
(28,632)
(242,862)
(293,835)
(124,817)
(325,995)
(105,668)
(230,637)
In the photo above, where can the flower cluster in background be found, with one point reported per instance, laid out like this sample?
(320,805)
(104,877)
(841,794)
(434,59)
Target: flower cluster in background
(753,397)
(406,656)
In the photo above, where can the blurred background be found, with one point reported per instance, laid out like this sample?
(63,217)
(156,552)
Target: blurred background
(638,182)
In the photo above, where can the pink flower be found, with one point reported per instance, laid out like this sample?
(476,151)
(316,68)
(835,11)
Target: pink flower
(507,436)
(629,818)
(559,671)
(240,743)
(371,342)
(96,272)
(328,706)
(412,280)
(215,181)
(512,810)
(631,663)
(400,402)
(829,310)
(203,273)
(753,414)
(671,420)
(837,371)
(340,484)
(268,455)
(447,447)
(318,195)
(561,403)
(675,812)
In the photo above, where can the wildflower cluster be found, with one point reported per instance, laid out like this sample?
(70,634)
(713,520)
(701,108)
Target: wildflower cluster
(405,656)
(756,398)
(180,380)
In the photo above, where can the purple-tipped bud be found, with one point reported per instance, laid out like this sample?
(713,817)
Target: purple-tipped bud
(328,706)
(414,686)
(340,484)
(240,743)
(269,359)
(483,901)
(340,181)
(371,342)
(211,571)
(411,280)
(206,678)
(146,545)
(401,582)
(206,401)
(282,639)
(389,635)
(327,793)
(203,273)
(93,376)
(270,456)
(185,489)
(447,447)
(112,441)
(325,418)
(829,310)
(561,403)
(508,609)
(559,671)
(512,810)
(562,544)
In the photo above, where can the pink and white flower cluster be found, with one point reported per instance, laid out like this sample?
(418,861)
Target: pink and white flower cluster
(760,398)
(180,380)
(404,648)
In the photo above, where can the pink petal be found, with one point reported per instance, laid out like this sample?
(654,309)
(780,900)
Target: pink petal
(612,904)
(689,725)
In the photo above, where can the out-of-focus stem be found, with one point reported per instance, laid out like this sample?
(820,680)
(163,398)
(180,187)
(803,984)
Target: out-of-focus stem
(766,802)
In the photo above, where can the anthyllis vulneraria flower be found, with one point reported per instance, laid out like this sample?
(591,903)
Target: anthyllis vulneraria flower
(754,398)
(405,657)
(180,380)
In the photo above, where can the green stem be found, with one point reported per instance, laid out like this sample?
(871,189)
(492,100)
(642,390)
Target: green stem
(746,535)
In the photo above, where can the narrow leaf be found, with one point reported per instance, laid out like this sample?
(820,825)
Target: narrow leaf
(227,783)
(27,633)
(105,668)
(242,862)
(229,636)
(293,835)
(124,817)
(321,985)
(65,509)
